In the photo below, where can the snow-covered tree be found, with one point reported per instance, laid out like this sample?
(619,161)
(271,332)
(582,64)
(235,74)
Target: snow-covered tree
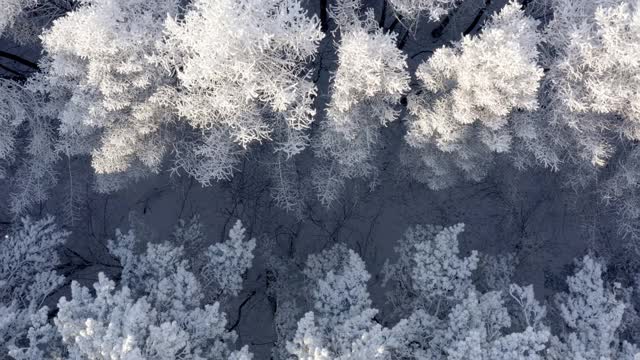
(107,86)
(429,271)
(242,79)
(474,325)
(27,142)
(226,262)
(218,269)
(157,312)
(28,259)
(442,314)
(476,331)
(370,79)
(588,101)
(11,10)
(600,66)
(622,193)
(35,175)
(341,325)
(24,20)
(160,310)
(592,311)
(459,116)
(115,324)
(283,282)
(289,186)
(495,272)
(203,85)
(13,112)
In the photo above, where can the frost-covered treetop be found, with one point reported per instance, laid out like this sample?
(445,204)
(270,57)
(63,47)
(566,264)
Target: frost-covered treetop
(482,78)
(233,71)
(341,324)
(239,62)
(226,262)
(11,9)
(106,83)
(366,90)
(459,115)
(433,9)
(430,268)
(28,258)
(439,271)
(599,63)
(371,69)
(593,312)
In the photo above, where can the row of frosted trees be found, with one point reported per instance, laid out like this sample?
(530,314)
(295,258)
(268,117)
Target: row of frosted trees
(442,304)
(197,88)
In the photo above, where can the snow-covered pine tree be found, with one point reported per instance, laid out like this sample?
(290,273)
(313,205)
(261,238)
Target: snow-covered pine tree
(592,312)
(441,315)
(341,325)
(161,310)
(28,261)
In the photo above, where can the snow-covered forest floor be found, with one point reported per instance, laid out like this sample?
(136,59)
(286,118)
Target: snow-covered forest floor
(533,214)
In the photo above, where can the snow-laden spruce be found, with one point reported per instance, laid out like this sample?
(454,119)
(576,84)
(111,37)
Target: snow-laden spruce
(28,277)
(341,325)
(593,312)
(460,322)
(162,308)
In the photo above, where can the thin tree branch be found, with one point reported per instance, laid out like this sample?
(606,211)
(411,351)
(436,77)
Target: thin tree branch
(477,19)
(475,22)
(244,302)
(383,14)
(395,22)
(420,52)
(403,40)
(439,30)
(19,59)
(18,76)
(324,18)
